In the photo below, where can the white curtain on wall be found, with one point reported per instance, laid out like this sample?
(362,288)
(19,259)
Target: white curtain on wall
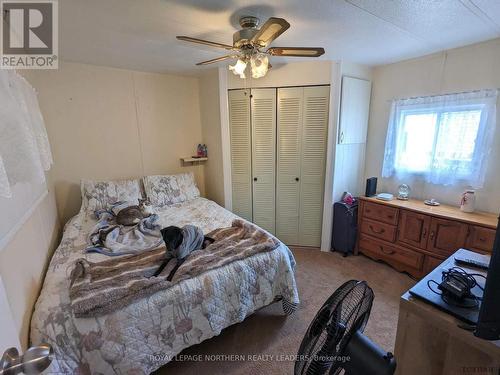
(24,152)
(443,140)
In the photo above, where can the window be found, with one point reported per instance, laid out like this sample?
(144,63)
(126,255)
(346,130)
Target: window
(441,139)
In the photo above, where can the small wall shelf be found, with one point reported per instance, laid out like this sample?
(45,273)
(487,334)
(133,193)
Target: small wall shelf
(190,159)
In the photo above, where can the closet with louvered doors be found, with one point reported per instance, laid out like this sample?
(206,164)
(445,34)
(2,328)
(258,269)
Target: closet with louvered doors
(278,155)
(252,120)
(263,120)
(241,153)
(302,123)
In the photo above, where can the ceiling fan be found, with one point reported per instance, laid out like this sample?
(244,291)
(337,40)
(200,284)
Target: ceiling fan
(250,43)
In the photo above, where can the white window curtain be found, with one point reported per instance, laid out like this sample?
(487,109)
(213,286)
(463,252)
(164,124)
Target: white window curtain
(443,140)
(24,145)
(24,153)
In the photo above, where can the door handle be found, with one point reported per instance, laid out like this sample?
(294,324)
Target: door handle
(424,233)
(296,179)
(255,178)
(432,235)
(341,137)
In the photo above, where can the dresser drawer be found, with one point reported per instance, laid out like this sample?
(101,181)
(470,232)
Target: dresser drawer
(378,229)
(380,212)
(481,239)
(430,263)
(391,253)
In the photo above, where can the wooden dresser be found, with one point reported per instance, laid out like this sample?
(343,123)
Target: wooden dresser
(415,238)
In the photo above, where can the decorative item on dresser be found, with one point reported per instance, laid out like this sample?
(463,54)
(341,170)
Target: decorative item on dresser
(415,238)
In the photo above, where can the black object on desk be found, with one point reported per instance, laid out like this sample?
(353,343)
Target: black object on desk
(421,289)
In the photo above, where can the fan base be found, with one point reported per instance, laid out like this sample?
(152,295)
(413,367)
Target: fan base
(249,22)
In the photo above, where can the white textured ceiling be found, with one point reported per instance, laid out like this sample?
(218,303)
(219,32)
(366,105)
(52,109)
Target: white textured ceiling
(140,34)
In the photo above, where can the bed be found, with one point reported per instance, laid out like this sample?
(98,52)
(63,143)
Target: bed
(148,333)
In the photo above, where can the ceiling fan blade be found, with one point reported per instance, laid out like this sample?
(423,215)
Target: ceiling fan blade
(269,31)
(205,42)
(217,59)
(296,51)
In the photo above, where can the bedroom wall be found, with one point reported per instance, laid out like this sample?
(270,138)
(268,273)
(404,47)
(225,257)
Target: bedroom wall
(469,68)
(24,260)
(107,123)
(211,130)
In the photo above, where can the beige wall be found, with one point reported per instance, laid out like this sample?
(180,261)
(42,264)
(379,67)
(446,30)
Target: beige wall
(211,129)
(106,123)
(23,262)
(469,68)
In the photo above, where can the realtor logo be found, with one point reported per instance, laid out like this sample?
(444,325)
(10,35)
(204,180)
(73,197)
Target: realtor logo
(29,34)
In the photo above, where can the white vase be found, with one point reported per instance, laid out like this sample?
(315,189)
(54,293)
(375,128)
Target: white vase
(468,202)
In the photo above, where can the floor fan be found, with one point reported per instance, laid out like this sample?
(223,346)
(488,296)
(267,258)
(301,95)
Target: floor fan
(334,342)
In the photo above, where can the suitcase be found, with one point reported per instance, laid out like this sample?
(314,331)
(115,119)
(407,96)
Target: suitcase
(345,227)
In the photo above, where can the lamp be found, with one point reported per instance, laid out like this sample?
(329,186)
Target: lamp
(260,65)
(239,68)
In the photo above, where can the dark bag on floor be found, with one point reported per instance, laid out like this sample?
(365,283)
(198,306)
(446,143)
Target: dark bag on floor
(345,227)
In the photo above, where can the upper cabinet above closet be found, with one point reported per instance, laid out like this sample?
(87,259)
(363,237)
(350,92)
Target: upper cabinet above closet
(354,110)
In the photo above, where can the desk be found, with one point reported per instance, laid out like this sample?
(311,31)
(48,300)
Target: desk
(429,341)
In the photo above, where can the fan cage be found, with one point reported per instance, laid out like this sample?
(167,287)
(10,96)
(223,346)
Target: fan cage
(346,311)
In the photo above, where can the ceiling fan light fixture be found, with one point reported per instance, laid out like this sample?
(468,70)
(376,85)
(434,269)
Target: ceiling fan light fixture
(239,68)
(259,64)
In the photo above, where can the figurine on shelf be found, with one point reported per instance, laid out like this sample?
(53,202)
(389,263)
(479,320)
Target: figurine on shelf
(199,150)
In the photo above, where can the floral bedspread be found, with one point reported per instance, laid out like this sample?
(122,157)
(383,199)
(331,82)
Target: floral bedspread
(146,334)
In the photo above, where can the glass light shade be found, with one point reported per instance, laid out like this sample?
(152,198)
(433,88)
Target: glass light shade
(239,68)
(260,65)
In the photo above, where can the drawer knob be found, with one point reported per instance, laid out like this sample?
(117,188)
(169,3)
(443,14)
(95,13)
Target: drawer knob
(388,252)
(376,231)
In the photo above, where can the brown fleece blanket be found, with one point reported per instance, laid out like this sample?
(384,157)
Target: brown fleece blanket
(100,288)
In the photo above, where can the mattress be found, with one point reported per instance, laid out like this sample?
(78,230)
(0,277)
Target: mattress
(148,333)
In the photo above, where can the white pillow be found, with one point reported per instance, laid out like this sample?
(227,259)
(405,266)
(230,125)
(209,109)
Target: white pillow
(100,194)
(170,189)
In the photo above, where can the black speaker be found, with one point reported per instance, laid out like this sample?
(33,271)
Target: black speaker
(371,187)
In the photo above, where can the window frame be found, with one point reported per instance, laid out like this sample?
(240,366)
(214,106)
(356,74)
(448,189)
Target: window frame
(438,110)
(485,99)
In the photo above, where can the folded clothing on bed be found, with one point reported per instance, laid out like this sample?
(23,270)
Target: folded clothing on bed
(100,288)
(110,238)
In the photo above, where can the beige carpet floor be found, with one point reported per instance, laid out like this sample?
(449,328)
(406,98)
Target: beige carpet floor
(268,334)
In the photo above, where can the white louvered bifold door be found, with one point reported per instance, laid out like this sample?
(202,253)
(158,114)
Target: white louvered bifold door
(289,121)
(263,115)
(241,152)
(312,181)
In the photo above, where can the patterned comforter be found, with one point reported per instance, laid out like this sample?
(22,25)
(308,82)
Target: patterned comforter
(146,334)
